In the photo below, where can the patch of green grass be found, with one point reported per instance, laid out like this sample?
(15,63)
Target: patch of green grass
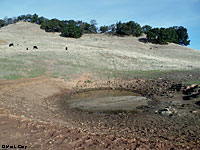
(88,81)
(55,75)
(4,60)
(145,74)
(192,82)
(13,76)
(151,74)
(36,73)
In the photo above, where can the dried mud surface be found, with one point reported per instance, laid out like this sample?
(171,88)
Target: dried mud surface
(34,113)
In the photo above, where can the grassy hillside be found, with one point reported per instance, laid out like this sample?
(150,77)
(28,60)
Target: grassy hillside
(98,54)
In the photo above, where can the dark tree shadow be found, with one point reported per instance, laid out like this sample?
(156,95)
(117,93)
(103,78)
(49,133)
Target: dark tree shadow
(144,40)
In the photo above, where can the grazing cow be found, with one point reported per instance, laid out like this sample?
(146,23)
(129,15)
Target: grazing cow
(11,44)
(35,47)
(66,48)
(26,48)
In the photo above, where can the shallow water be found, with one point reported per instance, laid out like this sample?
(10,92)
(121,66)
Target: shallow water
(107,101)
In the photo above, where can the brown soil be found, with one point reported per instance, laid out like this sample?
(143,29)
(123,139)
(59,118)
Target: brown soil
(2,42)
(34,113)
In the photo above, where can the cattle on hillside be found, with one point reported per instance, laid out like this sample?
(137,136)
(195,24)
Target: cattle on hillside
(11,44)
(35,47)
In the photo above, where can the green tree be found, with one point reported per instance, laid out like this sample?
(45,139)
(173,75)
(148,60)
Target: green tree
(152,35)
(10,21)
(183,37)
(129,28)
(172,35)
(112,29)
(176,35)
(122,29)
(134,28)
(146,28)
(103,29)
(41,20)
(34,18)
(20,18)
(28,17)
(53,25)
(86,28)
(163,36)
(93,27)
(71,30)
(2,23)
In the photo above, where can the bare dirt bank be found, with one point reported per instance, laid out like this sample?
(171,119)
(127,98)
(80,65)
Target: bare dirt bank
(34,112)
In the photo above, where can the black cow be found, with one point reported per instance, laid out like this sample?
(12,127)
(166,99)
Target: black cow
(35,47)
(66,48)
(11,44)
(26,48)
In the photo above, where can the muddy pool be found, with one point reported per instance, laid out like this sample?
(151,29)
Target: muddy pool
(107,101)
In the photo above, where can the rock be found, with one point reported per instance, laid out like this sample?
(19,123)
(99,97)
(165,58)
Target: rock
(194,111)
(166,111)
(190,89)
(176,87)
(191,96)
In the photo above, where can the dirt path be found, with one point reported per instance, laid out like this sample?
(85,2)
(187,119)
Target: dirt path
(33,113)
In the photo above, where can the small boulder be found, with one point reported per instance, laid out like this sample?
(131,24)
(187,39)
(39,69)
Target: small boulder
(166,111)
(190,89)
(191,96)
(176,87)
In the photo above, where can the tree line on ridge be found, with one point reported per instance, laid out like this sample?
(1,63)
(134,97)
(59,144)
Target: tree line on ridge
(75,29)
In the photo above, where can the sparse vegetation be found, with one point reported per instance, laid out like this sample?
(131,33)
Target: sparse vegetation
(13,76)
